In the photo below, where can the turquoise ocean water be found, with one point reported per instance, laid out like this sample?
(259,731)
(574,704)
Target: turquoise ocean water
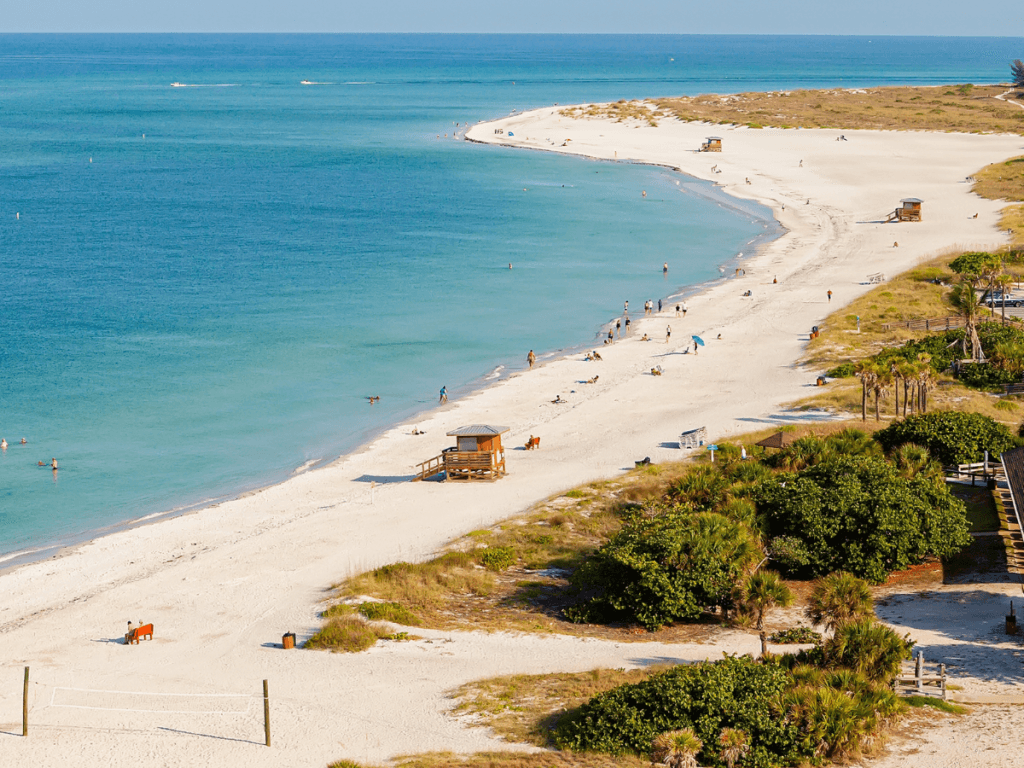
(200,286)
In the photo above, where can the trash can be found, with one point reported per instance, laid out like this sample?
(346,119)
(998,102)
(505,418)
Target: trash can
(288,640)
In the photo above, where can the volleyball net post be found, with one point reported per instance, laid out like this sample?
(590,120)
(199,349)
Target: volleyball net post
(266,710)
(24,706)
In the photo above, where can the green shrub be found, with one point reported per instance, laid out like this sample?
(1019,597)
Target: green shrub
(857,514)
(951,437)
(396,613)
(795,636)
(498,558)
(869,648)
(985,375)
(345,634)
(842,371)
(667,568)
(731,693)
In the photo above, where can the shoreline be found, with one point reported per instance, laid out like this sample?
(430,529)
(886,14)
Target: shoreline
(13,559)
(222,588)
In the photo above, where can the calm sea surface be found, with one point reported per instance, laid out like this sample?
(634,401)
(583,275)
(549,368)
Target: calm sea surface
(200,286)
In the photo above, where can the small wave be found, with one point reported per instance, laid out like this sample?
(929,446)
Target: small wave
(496,373)
(314,82)
(304,468)
(205,85)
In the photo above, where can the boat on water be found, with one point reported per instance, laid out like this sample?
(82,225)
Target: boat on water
(307,82)
(177,85)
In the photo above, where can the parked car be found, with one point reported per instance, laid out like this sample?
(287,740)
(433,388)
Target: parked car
(996,300)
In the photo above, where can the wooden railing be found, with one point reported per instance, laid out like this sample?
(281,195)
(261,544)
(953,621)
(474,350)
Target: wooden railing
(430,467)
(474,465)
(938,324)
(914,676)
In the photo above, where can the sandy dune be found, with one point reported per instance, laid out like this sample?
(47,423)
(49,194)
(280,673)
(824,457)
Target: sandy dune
(223,584)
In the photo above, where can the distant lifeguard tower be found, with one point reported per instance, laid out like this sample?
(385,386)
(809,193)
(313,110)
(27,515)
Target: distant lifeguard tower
(713,144)
(476,455)
(909,210)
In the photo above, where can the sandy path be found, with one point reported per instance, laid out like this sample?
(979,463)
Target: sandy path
(222,583)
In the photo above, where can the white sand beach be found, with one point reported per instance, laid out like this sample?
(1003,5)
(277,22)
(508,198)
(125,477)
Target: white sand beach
(221,585)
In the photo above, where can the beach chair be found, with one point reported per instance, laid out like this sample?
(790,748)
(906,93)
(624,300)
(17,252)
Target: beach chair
(877,278)
(693,438)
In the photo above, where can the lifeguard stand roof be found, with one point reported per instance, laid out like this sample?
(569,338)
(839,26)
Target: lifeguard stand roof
(478,430)
(911,200)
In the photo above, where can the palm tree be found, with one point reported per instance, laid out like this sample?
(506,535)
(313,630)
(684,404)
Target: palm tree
(908,374)
(865,646)
(866,372)
(763,591)
(734,743)
(1003,282)
(880,386)
(924,383)
(913,460)
(853,442)
(838,599)
(897,376)
(965,299)
(677,749)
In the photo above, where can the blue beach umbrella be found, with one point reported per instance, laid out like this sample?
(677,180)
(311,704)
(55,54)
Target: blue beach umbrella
(698,339)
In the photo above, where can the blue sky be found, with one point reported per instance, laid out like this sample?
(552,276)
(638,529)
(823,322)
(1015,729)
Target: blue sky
(870,17)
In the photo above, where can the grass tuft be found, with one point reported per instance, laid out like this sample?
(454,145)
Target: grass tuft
(939,704)
(396,613)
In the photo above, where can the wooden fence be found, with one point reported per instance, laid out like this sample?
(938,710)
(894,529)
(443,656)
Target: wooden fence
(938,324)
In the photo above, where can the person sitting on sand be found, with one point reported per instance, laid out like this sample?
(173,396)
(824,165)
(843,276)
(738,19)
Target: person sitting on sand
(588,358)
(597,356)
(592,381)
(645,338)
(748,293)
(558,399)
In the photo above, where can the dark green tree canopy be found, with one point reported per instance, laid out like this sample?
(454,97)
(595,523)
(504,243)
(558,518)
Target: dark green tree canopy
(1017,72)
(857,514)
(671,567)
(975,264)
(952,437)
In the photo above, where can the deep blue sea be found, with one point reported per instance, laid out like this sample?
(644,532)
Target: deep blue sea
(200,286)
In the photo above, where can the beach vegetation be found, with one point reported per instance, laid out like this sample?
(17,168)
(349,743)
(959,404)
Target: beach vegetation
(501,558)
(396,613)
(766,710)
(1017,73)
(858,514)
(762,591)
(347,634)
(952,437)
(664,568)
(795,636)
(837,599)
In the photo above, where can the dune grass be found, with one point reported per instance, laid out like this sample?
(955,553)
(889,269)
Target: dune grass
(960,108)
(930,701)
(1005,181)
(347,634)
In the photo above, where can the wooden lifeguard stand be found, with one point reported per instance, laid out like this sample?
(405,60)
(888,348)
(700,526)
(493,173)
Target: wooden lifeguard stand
(476,455)
(909,210)
(713,144)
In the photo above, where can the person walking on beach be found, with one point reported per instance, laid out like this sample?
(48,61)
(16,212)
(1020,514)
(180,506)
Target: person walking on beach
(618,326)
(677,311)
(627,326)
(531,359)
(444,395)
(695,347)
(684,309)
(668,333)
(659,305)
(830,296)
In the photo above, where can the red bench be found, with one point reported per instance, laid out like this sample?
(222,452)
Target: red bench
(139,633)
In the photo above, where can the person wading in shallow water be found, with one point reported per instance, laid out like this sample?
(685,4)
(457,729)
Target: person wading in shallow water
(444,395)
(531,358)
